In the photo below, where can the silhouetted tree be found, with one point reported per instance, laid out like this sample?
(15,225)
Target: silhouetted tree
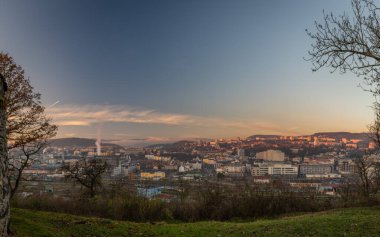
(368,173)
(374,127)
(28,127)
(87,172)
(350,43)
(18,164)
(364,170)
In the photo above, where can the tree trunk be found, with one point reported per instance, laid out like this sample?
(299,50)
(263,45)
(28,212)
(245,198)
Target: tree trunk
(4,182)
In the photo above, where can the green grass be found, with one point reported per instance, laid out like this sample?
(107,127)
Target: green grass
(341,222)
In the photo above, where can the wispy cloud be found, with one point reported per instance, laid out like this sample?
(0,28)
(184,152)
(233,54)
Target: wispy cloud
(74,115)
(126,141)
(73,123)
(87,115)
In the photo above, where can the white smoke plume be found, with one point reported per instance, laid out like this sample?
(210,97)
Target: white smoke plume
(98,142)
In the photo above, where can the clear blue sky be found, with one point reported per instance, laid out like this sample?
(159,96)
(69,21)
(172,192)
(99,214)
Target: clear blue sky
(163,70)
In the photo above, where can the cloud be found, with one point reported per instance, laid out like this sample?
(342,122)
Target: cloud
(87,115)
(73,123)
(74,115)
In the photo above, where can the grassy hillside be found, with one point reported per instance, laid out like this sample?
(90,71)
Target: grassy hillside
(343,222)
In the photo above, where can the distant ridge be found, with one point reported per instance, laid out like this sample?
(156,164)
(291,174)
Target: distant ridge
(78,142)
(340,135)
(253,137)
(88,142)
(337,135)
(172,145)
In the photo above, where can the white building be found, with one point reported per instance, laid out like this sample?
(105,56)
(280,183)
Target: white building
(120,171)
(234,169)
(181,169)
(196,166)
(274,169)
(271,155)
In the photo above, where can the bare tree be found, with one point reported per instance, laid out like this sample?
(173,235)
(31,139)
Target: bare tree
(374,131)
(367,170)
(364,166)
(87,172)
(183,190)
(374,127)
(28,127)
(347,191)
(19,163)
(350,43)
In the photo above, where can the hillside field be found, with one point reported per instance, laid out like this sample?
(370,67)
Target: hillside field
(341,222)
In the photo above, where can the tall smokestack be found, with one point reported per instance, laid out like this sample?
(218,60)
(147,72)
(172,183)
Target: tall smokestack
(98,146)
(98,142)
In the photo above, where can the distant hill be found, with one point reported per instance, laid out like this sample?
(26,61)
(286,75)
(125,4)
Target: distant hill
(253,137)
(78,142)
(336,135)
(177,144)
(340,135)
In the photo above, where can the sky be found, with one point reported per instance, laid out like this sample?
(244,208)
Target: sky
(164,70)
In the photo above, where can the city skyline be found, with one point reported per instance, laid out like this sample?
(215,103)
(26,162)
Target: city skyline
(169,70)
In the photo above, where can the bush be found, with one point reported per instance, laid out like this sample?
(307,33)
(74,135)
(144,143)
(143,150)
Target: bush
(205,202)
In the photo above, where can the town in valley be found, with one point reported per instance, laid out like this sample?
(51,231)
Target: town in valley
(320,163)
